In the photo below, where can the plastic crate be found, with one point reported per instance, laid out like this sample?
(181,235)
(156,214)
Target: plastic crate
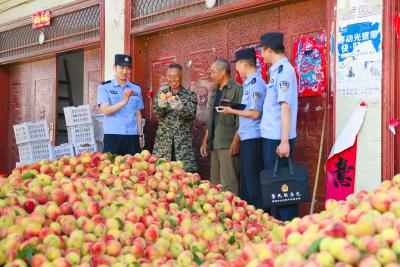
(31,152)
(81,134)
(85,148)
(63,150)
(77,115)
(20,164)
(31,132)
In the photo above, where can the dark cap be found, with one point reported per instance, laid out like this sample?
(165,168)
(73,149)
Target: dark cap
(123,60)
(246,53)
(272,40)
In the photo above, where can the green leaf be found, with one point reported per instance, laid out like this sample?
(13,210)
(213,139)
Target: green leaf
(21,253)
(181,207)
(191,210)
(36,251)
(398,256)
(3,197)
(120,222)
(160,161)
(119,205)
(173,223)
(27,175)
(162,224)
(178,198)
(112,158)
(222,216)
(313,248)
(136,264)
(195,249)
(196,259)
(232,239)
(17,213)
(27,252)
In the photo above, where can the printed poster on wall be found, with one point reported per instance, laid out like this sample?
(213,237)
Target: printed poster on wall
(309,61)
(359,48)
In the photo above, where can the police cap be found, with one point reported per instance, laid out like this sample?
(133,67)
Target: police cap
(123,60)
(273,40)
(246,53)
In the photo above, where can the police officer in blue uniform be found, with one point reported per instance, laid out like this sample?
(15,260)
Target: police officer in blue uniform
(251,162)
(121,101)
(278,123)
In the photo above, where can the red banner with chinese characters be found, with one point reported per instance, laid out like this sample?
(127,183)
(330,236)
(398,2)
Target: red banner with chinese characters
(41,19)
(341,174)
(309,61)
(341,164)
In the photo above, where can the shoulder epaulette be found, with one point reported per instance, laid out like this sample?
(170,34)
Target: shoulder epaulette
(135,83)
(280,68)
(105,82)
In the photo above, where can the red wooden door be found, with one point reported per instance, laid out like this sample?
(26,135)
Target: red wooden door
(32,97)
(3,119)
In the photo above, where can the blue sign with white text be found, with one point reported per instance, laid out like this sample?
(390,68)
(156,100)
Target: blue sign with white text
(351,36)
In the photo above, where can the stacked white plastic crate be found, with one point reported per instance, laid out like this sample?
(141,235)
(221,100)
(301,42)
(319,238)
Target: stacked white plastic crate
(63,150)
(33,142)
(80,128)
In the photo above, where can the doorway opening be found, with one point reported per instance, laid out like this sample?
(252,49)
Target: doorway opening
(70,88)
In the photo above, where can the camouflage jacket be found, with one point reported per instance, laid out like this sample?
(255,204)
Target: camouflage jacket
(176,127)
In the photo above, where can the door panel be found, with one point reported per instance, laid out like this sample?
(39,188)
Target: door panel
(32,97)
(43,91)
(93,82)
(45,95)
(92,77)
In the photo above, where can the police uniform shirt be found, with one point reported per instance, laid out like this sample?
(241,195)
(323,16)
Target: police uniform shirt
(122,122)
(253,97)
(282,87)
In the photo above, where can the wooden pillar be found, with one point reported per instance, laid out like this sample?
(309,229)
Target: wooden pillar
(4,128)
(389,90)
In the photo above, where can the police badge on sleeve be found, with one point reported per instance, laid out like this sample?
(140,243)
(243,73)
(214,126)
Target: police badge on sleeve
(284,86)
(257,96)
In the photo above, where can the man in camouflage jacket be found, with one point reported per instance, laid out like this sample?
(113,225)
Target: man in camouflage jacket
(175,108)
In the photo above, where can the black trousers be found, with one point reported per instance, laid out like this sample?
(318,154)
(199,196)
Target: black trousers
(251,164)
(121,144)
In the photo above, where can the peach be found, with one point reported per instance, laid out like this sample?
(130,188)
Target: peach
(98,248)
(381,201)
(113,248)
